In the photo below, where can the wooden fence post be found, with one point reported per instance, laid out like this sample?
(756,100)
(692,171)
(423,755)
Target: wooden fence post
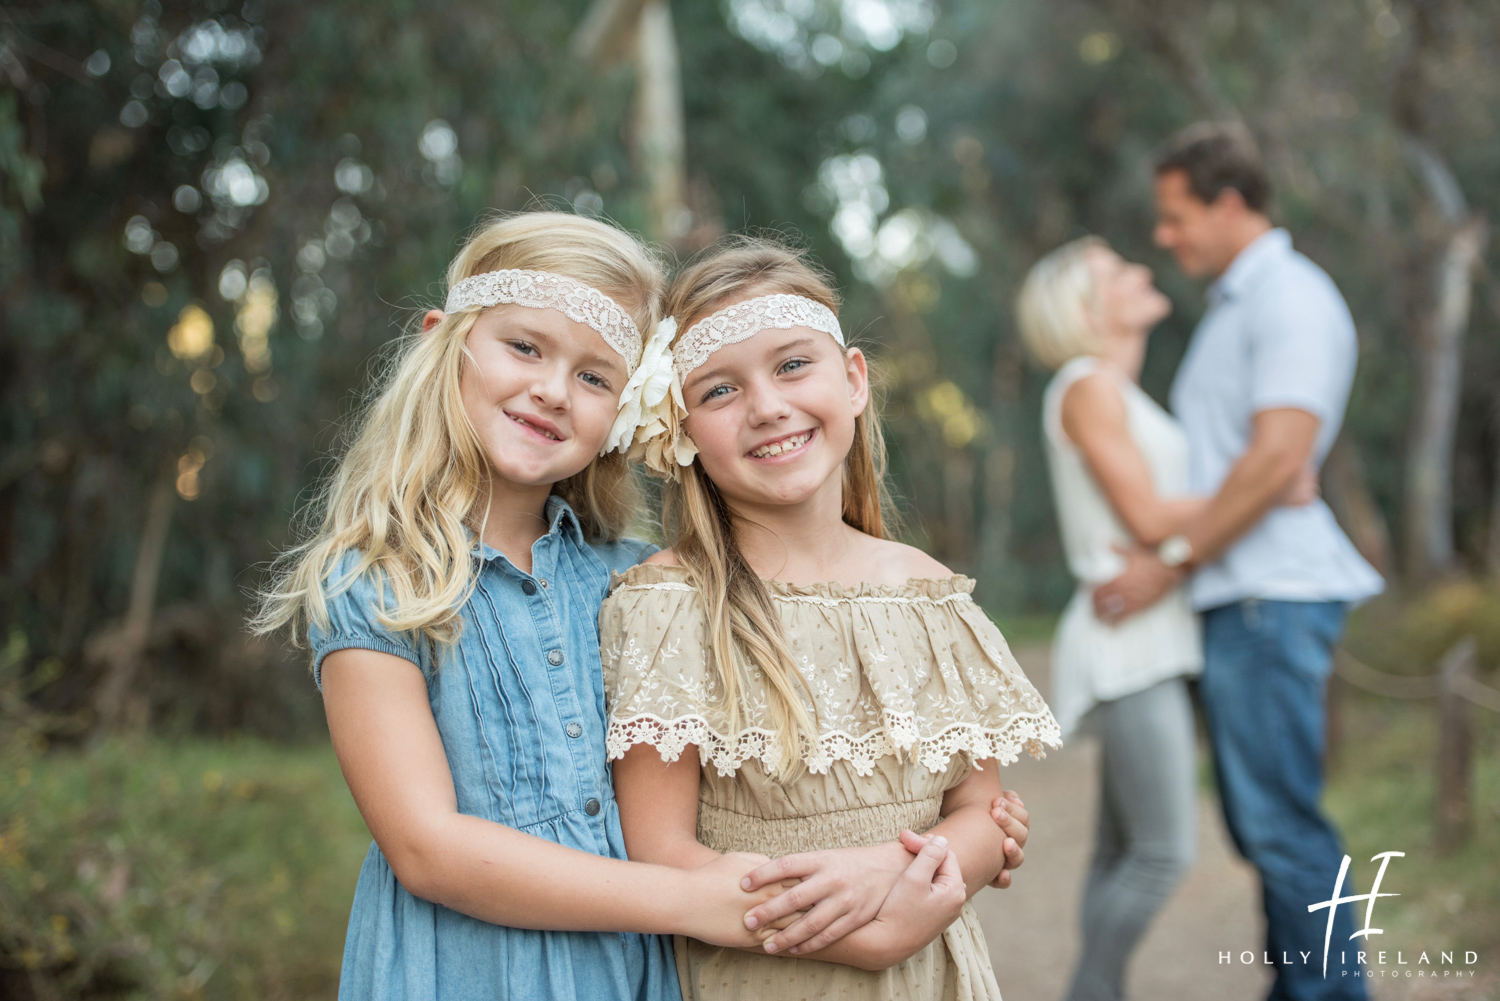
(1334,698)
(1455,747)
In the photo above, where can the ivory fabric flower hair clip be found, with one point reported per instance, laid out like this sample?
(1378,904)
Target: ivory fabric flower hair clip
(649,425)
(653,405)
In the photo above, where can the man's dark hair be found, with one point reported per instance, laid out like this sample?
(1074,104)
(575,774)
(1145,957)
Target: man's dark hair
(1215,156)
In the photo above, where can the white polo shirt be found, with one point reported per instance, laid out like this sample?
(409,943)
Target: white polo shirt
(1277,334)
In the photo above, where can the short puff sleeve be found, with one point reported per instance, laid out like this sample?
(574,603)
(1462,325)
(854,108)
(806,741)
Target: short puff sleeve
(658,687)
(353,607)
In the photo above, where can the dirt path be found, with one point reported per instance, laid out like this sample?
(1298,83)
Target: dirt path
(1032,928)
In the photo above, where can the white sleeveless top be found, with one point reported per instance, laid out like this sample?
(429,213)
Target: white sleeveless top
(1091,660)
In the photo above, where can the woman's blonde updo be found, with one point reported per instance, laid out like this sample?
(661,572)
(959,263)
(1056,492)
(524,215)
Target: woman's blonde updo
(1053,307)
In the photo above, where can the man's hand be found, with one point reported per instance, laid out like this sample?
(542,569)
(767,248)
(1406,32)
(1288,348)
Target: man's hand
(1142,584)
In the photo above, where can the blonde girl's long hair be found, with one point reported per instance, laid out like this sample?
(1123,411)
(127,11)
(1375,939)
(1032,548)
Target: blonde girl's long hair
(744,625)
(410,492)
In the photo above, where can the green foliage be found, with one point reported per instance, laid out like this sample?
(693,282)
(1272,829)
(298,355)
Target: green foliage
(151,869)
(302,174)
(20,180)
(1409,635)
(297,177)
(1382,792)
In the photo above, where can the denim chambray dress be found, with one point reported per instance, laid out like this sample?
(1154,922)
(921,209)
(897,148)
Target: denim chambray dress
(519,702)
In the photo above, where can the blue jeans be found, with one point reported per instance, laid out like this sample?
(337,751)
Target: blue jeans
(1266,666)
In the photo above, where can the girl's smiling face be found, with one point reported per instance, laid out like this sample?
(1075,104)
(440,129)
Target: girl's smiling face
(541,392)
(773,416)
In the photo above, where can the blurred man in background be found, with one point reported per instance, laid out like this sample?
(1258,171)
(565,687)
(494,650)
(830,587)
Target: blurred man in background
(1260,393)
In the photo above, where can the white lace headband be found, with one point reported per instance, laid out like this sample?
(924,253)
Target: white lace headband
(746,319)
(652,410)
(544,290)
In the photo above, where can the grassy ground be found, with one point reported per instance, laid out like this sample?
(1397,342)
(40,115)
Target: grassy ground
(198,869)
(1382,776)
(175,870)
(1381,790)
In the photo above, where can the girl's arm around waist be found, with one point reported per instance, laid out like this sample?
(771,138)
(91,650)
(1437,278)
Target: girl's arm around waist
(986,832)
(392,756)
(914,898)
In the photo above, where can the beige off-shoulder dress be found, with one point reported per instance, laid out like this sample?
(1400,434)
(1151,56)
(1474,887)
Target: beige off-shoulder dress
(912,686)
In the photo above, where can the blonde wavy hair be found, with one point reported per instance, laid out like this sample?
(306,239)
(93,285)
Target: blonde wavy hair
(1053,307)
(744,626)
(411,491)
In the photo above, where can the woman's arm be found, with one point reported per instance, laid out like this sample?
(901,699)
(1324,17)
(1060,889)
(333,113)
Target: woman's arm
(1095,420)
(392,757)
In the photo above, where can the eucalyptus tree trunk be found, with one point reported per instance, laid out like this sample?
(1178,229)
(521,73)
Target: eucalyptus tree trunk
(1439,314)
(1492,549)
(607,32)
(612,29)
(659,143)
(1439,327)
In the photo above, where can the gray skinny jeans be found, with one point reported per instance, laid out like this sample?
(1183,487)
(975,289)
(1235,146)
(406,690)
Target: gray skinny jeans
(1147,828)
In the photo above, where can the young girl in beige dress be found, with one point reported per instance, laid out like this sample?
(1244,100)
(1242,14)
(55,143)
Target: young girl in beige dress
(785,679)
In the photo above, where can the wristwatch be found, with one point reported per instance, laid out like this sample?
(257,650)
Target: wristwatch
(1175,551)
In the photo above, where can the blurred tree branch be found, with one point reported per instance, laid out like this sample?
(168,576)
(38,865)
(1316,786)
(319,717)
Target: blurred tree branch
(607,32)
(120,649)
(1165,26)
(1449,259)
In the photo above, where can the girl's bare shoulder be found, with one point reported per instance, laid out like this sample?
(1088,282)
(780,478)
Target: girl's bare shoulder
(664,557)
(899,562)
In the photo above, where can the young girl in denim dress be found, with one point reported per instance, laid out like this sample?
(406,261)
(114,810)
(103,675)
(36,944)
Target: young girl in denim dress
(450,592)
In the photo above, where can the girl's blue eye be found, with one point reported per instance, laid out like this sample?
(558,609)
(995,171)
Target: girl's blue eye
(595,379)
(793,365)
(525,348)
(715,393)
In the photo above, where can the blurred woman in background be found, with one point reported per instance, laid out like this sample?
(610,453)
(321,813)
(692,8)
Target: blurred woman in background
(1119,474)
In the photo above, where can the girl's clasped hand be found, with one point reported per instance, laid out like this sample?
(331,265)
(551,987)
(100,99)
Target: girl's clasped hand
(832,893)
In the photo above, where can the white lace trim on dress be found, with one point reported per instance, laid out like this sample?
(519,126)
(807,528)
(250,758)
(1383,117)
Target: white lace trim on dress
(898,736)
